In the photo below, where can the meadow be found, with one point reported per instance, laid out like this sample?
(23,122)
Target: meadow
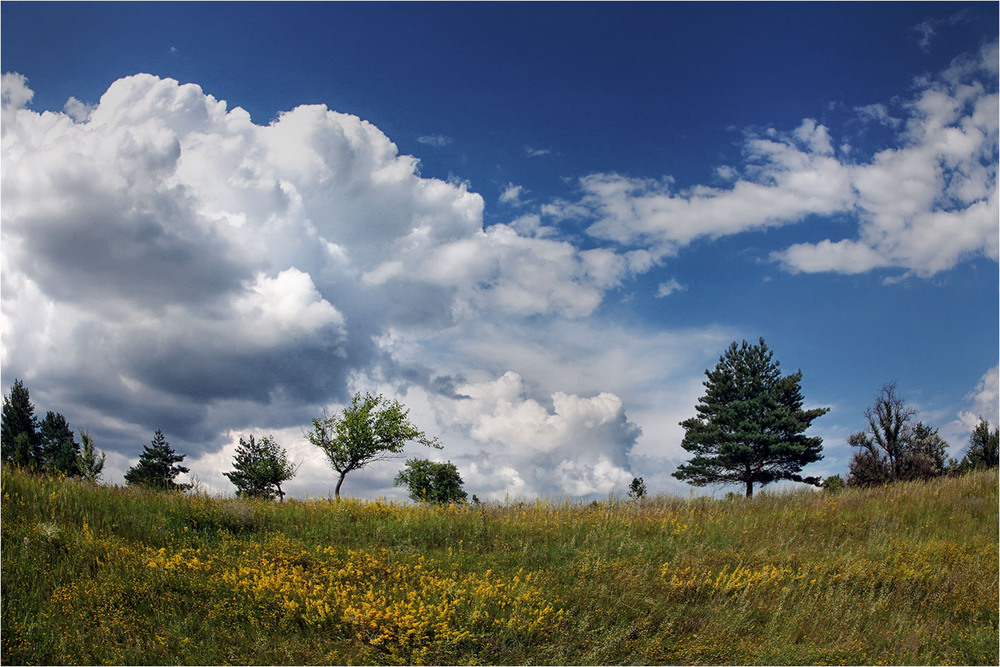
(904,574)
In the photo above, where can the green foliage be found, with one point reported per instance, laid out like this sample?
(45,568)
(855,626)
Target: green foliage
(432,482)
(750,425)
(88,462)
(157,467)
(371,429)
(19,420)
(59,447)
(260,467)
(893,448)
(984,448)
(833,483)
(637,488)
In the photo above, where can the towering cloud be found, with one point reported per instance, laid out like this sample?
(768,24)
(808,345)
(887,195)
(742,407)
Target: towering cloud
(168,263)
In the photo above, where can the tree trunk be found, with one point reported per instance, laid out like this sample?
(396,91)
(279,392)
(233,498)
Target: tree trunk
(749,488)
(336,492)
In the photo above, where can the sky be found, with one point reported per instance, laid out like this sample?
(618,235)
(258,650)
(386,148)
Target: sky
(536,225)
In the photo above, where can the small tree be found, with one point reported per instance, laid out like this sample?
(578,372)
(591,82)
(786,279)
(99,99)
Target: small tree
(432,482)
(88,462)
(260,468)
(833,483)
(58,444)
(371,429)
(637,489)
(750,425)
(19,430)
(984,449)
(892,448)
(157,467)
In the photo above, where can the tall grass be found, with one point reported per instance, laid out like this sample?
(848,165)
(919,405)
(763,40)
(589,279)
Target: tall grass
(905,574)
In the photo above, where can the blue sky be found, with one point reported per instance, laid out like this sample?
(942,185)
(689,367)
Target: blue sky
(536,224)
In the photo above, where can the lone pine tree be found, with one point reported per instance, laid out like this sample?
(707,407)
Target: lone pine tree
(750,425)
(157,467)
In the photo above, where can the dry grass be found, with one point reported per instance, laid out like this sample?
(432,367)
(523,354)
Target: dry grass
(899,575)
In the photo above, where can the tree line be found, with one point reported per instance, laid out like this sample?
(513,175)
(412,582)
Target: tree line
(750,430)
(370,429)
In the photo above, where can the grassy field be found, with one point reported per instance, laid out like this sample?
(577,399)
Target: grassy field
(900,575)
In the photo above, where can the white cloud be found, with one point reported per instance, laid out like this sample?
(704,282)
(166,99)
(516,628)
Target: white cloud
(168,263)
(435,140)
(512,194)
(579,447)
(531,151)
(984,401)
(922,205)
(788,177)
(931,202)
(668,288)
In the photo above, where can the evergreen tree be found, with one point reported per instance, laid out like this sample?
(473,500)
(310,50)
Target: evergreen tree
(157,467)
(260,467)
(637,489)
(88,463)
(984,449)
(19,420)
(58,445)
(432,482)
(750,425)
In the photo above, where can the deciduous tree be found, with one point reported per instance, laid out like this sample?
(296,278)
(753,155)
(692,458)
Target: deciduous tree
(432,482)
(892,448)
(371,429)
(750,428)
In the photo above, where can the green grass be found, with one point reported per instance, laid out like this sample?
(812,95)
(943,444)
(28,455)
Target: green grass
(906,574)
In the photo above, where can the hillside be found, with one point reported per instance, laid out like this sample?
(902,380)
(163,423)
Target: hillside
(899,575)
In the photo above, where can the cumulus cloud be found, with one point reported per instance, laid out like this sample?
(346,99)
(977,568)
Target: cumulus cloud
(922,205)
(578,447)
(168,263)
(984,401)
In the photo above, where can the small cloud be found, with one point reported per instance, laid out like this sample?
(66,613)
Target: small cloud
(512,195)
(435,140)
(668,288)
(927,29)
(877,113)
(536,152)
(173,50)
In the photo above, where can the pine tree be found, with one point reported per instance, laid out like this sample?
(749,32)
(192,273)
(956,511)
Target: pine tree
(89,464)
(750,425)
(58,445)
(260,467)
(19,431)
(157,466)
